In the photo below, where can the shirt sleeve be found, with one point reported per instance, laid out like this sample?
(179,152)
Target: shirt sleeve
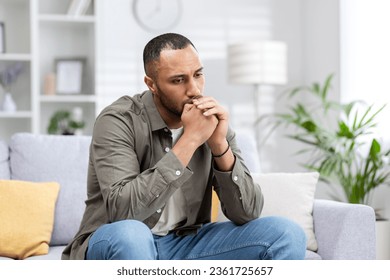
(241,198)
(127,192)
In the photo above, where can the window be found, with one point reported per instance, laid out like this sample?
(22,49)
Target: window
(365,54)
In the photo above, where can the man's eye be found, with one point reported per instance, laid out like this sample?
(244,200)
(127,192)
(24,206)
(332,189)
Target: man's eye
(199,74)
(178,80)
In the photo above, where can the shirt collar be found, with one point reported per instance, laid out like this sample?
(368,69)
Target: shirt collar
(156,122)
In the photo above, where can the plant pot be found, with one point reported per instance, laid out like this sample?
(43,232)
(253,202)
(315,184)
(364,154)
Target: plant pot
(382,239)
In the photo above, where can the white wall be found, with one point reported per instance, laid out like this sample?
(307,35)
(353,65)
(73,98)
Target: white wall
(321,41)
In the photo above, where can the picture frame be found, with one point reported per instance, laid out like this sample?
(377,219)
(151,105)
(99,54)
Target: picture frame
(2,37)
(69,75)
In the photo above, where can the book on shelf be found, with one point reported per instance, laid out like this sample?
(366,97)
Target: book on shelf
(78,7)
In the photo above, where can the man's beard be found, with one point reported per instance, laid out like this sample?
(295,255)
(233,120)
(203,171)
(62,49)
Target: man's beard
(169,104)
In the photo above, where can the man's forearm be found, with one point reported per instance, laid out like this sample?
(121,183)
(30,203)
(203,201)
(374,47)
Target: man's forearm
(223,156)
(185,149)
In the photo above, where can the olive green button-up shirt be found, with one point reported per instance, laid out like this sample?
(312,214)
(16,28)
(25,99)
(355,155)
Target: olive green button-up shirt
(132,173)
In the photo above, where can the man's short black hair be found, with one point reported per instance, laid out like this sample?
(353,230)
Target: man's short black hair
(167,41)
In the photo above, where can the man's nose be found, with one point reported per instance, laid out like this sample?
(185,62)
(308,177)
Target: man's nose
(193,88)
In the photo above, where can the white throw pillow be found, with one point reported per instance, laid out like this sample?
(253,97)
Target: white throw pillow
(290,195)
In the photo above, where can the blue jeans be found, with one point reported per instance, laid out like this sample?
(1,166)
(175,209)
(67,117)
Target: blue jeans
(268,238)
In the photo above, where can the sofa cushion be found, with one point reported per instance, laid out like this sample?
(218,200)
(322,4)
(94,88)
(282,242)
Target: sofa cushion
(310,255)
(62,159)
(4,161)
(55,253)
(290,195)
(27,217)
(247,144)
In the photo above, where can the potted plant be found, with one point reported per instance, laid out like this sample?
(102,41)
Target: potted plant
(339,141)
(66,123)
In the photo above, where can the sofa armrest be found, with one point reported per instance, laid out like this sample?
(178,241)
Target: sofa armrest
(344,231)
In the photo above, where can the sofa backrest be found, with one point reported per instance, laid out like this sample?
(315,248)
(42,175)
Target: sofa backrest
(62,159)
(249,152)
(4,161)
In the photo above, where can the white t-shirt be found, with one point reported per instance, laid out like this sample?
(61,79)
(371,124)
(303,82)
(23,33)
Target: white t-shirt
(174,210)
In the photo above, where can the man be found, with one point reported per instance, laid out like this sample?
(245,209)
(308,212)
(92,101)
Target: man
(154,160)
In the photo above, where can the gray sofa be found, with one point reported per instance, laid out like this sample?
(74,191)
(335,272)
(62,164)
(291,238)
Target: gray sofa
(343,231)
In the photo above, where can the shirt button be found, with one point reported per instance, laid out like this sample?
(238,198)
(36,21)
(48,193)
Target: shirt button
(158,211)
(157,195)
(178,172)
(167,149)
(235,178)
(166,129)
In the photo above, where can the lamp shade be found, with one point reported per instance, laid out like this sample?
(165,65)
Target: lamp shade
(263,62)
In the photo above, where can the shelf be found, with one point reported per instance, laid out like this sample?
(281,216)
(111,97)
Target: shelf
(13,1)
(66,18)
(15,57)
(67,98)
(39,32)
(15,115)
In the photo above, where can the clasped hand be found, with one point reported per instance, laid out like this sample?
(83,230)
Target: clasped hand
(206,120)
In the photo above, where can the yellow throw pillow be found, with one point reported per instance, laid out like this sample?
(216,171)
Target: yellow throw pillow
(214,207)
(26,217)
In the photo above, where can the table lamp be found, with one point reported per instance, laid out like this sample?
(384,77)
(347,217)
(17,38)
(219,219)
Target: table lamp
(258,63)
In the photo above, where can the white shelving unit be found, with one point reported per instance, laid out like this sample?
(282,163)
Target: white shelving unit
(16,115)
(68,98)
(38,33)
(66,18)
(16,16)
(63,36)
(14,57)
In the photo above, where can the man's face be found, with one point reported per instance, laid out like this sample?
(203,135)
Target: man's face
(179,78)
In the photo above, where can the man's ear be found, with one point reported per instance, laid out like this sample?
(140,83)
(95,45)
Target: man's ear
(150,83)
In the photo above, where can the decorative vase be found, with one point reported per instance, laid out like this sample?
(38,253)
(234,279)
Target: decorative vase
(8,104)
